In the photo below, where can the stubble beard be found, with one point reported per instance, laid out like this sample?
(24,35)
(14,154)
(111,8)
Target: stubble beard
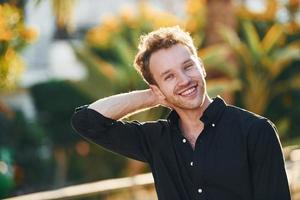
(183,103)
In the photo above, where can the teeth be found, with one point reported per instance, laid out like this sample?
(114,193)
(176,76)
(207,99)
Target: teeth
(189,91)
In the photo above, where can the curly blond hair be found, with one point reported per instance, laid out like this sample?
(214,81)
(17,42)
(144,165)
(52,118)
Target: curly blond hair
(161,38)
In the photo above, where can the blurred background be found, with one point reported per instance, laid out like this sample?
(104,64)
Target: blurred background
(56,55)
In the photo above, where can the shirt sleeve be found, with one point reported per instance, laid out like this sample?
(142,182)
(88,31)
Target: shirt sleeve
(269,179)
(130,139)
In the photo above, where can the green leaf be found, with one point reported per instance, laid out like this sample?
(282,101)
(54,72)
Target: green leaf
(215,57)
(253,39)
(282,58)
(272,37)
(239,48)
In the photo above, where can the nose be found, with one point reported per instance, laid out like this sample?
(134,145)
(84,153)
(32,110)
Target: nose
(183,79)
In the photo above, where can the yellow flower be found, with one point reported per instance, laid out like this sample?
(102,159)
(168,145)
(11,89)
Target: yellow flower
(110,23)
(162,19)
(191,26)
(195,6)
(13,32)
(129,17)
(5,35)
(146,11)
(8,19)
(11,67)
(98,36)
(29,34)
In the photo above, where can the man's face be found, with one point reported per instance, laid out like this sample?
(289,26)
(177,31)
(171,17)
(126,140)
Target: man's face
(179,76)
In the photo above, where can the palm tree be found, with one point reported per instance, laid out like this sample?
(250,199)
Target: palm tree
(261,62)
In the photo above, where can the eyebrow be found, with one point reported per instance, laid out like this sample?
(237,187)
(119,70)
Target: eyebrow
(184,62)
(164,73)
(187,61)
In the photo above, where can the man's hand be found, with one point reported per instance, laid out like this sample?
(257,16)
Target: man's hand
(159,98)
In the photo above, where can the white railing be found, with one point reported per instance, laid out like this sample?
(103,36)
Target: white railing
(89,189)
(129,183)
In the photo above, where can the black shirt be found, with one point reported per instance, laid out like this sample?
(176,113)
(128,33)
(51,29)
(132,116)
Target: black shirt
(237,156)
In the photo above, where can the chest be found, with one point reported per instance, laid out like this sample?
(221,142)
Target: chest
(191,136)
(216,155)
(218,162)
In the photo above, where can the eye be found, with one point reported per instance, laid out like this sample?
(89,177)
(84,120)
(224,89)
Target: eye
(188,67)
(169,77)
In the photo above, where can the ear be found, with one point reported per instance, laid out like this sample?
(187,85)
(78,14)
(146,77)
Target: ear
(157,91)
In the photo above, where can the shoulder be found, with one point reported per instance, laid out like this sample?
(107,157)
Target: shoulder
(243,113)
(250,122)
(246,117)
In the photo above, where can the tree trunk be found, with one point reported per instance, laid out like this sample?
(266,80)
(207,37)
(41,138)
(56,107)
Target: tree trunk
(219,12)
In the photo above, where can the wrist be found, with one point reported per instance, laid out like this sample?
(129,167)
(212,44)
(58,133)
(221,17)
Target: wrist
(151,98)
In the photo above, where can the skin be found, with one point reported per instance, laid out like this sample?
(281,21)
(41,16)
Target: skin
(181,85)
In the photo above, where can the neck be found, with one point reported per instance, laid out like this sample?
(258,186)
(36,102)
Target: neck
(194,114)
(190,119)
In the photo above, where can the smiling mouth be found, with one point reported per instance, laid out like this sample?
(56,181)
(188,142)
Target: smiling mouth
(189,91)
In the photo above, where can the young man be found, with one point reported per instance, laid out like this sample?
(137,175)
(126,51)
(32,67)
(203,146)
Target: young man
(205,149)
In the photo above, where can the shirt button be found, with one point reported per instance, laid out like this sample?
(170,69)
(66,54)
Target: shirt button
(213,125)
(192,163)
(200,191)
(184,140)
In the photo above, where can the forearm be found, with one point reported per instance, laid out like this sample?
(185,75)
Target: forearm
(118,106)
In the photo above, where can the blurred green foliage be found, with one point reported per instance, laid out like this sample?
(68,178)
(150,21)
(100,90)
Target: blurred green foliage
(267,52)
(71,153)
(46,153)
(23,143)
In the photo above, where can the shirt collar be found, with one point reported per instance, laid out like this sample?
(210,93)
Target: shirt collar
(211,115)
